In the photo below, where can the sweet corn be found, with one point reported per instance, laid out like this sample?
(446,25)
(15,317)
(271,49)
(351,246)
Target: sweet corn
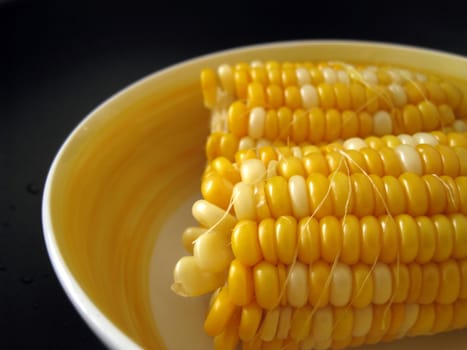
(334,206)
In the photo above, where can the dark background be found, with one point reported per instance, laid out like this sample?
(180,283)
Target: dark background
(59,60)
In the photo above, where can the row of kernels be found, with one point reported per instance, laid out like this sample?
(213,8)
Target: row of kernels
(351,239)
(321,283)
(288,73)
(236,81)
(421,159)
(340,194)
(326,125)
(309,328)
(338,328)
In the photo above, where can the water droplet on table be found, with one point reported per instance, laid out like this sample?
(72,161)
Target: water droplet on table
(27,279)
(32,188)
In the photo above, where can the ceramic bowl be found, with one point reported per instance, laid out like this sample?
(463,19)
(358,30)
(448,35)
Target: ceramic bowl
(120,189)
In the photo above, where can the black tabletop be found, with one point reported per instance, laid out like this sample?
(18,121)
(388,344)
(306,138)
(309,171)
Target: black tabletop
(58,60)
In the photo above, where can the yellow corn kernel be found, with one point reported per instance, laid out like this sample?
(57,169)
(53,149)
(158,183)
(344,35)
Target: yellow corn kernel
(228,145)
(308,240)
(317,125)
(357,96)
(351,236)
(449,286)
(217,190)
(190,235)
(336,162)
(389,239)
(320,201)
(343,323)
(411,119)
(380,324)
(449,159)
(266,284)
(322,325)
(209,87)
(446,114)
(427,239)
(443,317)
(444,237)
(226,169)
(262,208)
(289,166)
(394,195)
(284,118)
(271,125)
(398,315)
(284,322)
(459,318)
(266,235)
(341,285)
(453,94)
(228,339)
(415,273)
(435,189)
(391,163)
(242,79)
(430,115)
(362,291)
(326,95)
(415,194)
(342,94)
(356,162)
(453,196)
(240,280)
(277,196)
(370,239)
(375,142)
(373,161)
(459,223)
(430,283)
(333,127)
(350,124)
(289,77)
(219,313)
(331,238)
(319,276)
(461,182)
(250,320)
(431,159)
(415,91)
(425,320)
(363,194)
(286,238)
(315,163)
(274,96)
(301,323)
(456,139)
(435,93)
(300,126)
(401,282)
(268,329)
(283,275)
(341,194)
(408,242)
(292,97)
(365,123)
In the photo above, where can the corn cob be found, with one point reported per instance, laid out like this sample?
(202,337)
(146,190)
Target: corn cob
(334,209)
